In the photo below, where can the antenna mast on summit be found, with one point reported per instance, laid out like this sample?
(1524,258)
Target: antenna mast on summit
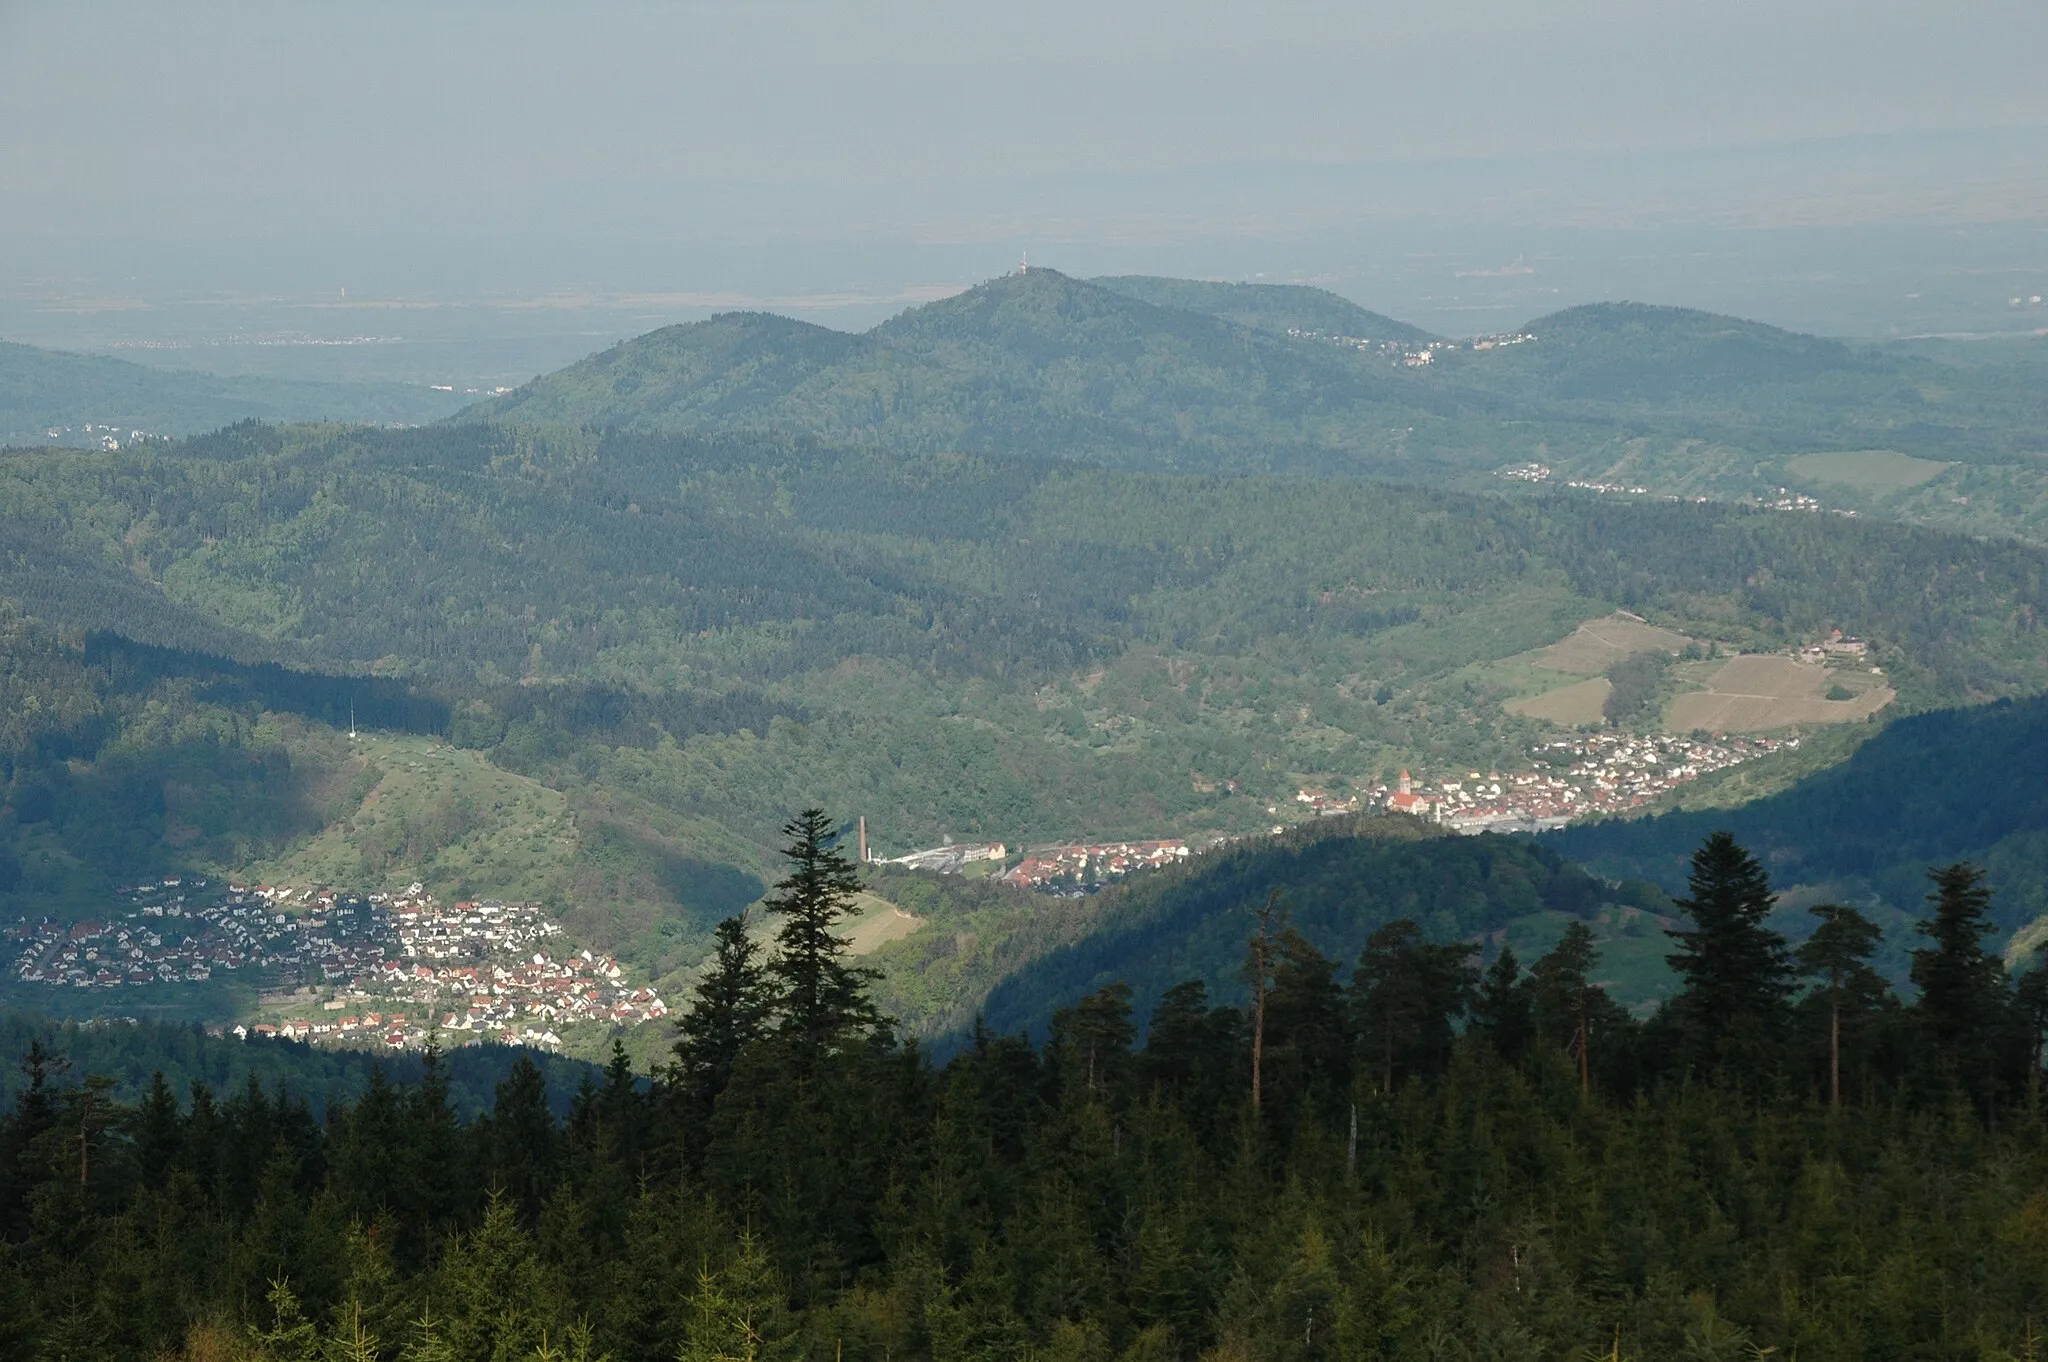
(1024,263)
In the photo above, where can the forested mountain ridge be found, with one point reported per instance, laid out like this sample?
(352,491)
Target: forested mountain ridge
(41,390)
(1035,364)
(1201,377)
(1268,307)
(1339,883)
(1685,373)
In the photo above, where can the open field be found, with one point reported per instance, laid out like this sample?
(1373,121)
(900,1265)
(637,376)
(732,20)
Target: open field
(1596,645)
(878,923)
(1876,472)
(1578,705)
(1751,693)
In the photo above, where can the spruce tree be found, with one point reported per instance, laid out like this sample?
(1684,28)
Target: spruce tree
(1501,1009)
(821,1001)
(1964,1007)
(291,1337)
(157,1128)
(729,1015)
(521,1140)
(1735,970)
(1308,1030)
(2030,1003)
(738,1314)
(1093,1041)
(1258,972)
(1191,1048)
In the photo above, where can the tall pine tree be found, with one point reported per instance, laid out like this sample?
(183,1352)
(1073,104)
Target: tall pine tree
(821,1001)
(730,1013)
(1964,1008)
(1735,970)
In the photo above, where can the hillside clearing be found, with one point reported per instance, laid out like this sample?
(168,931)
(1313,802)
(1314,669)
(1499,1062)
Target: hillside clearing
(1874,471)
(1752,693)
(1579,705)
(1598,644)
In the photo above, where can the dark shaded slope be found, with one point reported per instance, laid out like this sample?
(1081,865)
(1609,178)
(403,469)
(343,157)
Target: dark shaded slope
(1955,784)
(1266,307)
(1339,885)
(45,389)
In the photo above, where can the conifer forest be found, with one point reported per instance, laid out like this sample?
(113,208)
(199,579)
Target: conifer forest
(1428,1152)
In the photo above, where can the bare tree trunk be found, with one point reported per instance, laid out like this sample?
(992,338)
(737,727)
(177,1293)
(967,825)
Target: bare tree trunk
(1585,1060)
(1262,969)
(1835,1054)
(1351,1145)
(1258,1036)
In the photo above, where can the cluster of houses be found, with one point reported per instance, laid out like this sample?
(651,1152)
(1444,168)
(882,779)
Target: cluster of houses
(396,966)
(520,1000)
(1573,778)
(184,929)
(1410,354)
(471,969)
(1785,499)
(1080,868)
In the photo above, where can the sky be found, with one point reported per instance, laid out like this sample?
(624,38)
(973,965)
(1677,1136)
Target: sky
(787,148)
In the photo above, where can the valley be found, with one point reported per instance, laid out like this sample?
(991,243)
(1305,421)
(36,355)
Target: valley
(605,631)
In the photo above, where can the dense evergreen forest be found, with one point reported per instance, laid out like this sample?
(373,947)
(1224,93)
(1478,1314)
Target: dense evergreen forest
(1421,1151)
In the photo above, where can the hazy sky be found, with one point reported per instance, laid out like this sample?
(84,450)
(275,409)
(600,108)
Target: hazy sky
(216,112)
(321,138)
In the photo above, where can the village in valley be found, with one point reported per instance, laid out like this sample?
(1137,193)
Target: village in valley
(1585,775)
(1578,777)
(338,968)
(400,969)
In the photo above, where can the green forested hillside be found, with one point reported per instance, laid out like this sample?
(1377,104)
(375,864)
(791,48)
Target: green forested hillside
(41,390)
(1201,377)
(1269,307)
(1029,365)
(1688,374)
(259,1072)
(685,636)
